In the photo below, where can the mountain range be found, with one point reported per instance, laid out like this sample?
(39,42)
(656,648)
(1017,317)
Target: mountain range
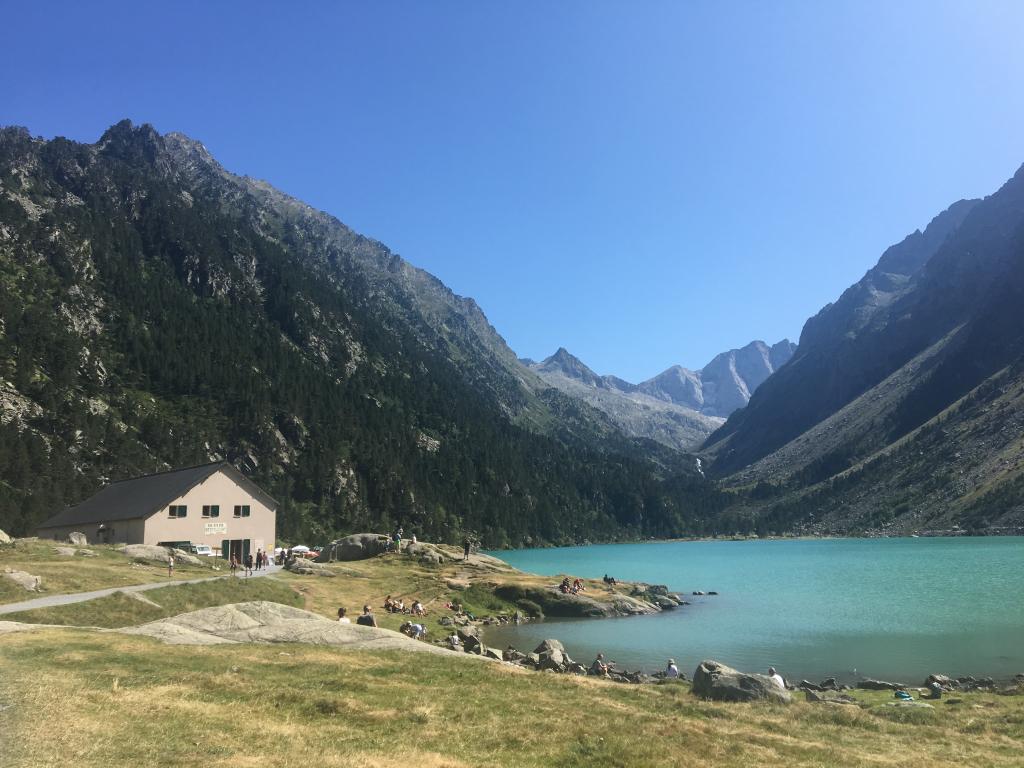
(158,311)
(679,408)
(903,405)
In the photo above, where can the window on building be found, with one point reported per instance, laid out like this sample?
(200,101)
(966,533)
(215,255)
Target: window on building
(178,510)
(211,510)
(241,510)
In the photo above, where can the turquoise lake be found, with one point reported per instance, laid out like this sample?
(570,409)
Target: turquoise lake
(895,609)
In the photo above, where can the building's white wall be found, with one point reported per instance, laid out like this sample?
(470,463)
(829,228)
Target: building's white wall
(260,527)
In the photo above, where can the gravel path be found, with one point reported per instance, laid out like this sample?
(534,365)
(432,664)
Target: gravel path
(79,597)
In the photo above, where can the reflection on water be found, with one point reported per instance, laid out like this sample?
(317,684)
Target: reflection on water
(887,608)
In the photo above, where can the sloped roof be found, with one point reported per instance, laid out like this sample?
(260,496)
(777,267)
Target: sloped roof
(141,497)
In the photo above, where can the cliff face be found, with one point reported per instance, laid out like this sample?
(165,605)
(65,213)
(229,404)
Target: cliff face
(898,404)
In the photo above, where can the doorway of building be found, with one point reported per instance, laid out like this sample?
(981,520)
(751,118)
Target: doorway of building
(238,548)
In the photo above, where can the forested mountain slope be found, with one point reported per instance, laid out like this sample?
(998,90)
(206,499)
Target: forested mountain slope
(158,311)
(901,405)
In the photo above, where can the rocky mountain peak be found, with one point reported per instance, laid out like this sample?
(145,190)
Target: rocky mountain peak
(565,363)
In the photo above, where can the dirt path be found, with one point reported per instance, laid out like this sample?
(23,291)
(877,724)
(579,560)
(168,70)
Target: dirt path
(79,597)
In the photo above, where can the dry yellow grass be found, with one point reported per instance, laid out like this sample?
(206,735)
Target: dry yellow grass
(62,574)
(103,700)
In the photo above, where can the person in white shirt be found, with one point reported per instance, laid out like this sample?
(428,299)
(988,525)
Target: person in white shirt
(776,678)
(342,618)
(671,670)
(415,631)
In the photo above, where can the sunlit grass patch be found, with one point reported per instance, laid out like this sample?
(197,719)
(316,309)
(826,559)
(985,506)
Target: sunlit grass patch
(123,610)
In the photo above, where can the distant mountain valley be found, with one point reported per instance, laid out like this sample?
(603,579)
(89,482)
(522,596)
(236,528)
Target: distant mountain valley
(679,407)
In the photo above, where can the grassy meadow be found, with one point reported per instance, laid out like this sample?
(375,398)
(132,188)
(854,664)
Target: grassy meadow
(64,574)
(121,699)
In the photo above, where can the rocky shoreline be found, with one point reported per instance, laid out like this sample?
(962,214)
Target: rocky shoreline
(716,681)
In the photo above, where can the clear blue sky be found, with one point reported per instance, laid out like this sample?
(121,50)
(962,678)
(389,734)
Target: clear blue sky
(643,183)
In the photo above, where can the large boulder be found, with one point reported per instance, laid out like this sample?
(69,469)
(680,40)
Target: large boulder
(467,632)
(552,602)
(4,538)
(428,554)
(549,645)
(78,539)
(717,682)
(64,551)
(263,622)
(146,553)
(553,660)
(305,567)
(24,580)
(358,546)
(181,556)
(879,685)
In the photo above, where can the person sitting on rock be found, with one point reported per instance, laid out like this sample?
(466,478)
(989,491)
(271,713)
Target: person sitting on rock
(367,619)
(599,667)
(415,631)
(389,604)
(453,641)
(671,671)
(564,586)
(342,618)
(776,678)
(577,586)
(418,609)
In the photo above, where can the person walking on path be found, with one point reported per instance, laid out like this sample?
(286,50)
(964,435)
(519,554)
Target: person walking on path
(259,558)
(465,548)
(248,565)
(170,566)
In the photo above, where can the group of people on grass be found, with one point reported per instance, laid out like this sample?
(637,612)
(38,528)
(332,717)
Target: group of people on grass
(415,630)
(392,605)
(571,589)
